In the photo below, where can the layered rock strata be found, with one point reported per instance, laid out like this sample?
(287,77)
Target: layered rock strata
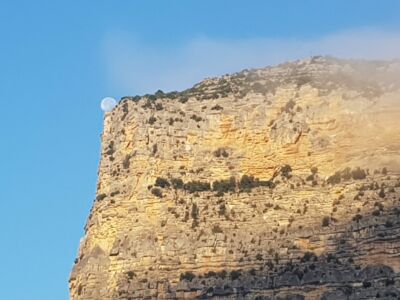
(274,183)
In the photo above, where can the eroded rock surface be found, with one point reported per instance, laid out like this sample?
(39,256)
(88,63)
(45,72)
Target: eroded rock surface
(276,183)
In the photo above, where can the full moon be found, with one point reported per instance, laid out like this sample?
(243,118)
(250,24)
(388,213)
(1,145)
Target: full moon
(107,104)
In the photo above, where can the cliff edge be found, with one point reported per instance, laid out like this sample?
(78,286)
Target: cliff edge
(274,183)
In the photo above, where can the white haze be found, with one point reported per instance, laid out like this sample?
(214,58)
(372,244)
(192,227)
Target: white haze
(135,68)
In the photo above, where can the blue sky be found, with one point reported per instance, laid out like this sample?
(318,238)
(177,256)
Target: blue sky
(58,59)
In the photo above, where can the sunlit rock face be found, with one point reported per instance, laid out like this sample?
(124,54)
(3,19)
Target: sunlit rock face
(275,183)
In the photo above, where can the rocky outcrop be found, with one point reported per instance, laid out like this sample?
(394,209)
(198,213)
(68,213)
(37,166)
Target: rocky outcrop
(275,183)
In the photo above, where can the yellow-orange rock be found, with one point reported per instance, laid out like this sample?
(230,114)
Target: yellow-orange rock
(264,184)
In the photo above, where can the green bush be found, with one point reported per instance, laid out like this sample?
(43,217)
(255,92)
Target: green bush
(235,274)
(222,274)
(259,88)
(171,95)
(224,186)
(326,221)
(110,149)
(346,174)
(357,218)
(157,192)
(189,276)
(101,197)
(289,105)
(130,274)
(195,211)
(159,94)
(126,163)
(162,182)
(216,229)
(310,177)
(217,107)
(308,256)
(246,183)
(334,179)
(376,213)
(222,210)
(221,152)
(196,118)
(183,99)
(286,170)
(358,174)
(196,186)
(148,104)
(177,183)
(151,97)
(159,106)
(152,120)
(210,274)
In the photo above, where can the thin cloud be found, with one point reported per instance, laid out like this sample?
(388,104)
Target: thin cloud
(135,68)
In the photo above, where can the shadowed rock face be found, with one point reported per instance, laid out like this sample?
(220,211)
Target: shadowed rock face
(276,183)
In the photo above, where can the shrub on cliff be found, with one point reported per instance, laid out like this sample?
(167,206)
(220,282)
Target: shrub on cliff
(222,274)
(196,118)
(197,186)
(358,174)
(162,182)
(221,152)
(224,186)
(217,107)
(357,218)
(177,183)
(382,193)
(159,106)
(384,171)
(187,276)
(308,256)
(235,274)
(195,211)
(286,170)
(346,174)
(147,104)
(326,221)
(246,183)
(222,210)
(216,229)
(110,149)
(126,163)
(130,274)
(157,192)
(310,177)
(183,99)
(289,106)
(159,94)
(152,120)
(101,197)
(334,179)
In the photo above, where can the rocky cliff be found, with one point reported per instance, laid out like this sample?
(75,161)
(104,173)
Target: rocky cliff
(275,183)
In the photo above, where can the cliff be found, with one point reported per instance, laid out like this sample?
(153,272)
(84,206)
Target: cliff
(276,183)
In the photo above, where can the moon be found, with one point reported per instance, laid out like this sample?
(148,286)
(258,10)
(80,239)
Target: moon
(107,104)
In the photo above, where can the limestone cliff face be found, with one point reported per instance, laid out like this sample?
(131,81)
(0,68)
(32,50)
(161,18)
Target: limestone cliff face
(276,183)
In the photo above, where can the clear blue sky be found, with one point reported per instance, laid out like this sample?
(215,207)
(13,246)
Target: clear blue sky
(55,67)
